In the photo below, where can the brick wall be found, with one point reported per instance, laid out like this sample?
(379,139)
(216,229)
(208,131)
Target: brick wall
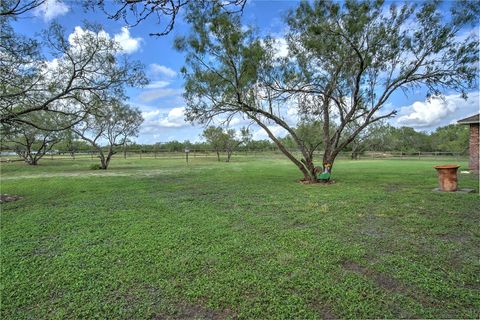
(474,147)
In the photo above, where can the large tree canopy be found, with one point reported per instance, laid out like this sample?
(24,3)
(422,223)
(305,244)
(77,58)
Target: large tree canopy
(86,69)
(346,60)
(350,58)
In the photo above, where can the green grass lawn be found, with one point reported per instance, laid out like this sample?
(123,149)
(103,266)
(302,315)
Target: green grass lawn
(154,239)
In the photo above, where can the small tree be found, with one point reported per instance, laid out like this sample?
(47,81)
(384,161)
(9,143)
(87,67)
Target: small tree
(216,139)
(117,122)
(30,143)
(232,142)
(226,140)
(71,142)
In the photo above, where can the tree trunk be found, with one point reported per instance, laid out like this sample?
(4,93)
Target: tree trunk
(218,156)
(356,149)
(311,172)
(328,160)
(31,159)
(109,156)
(302,166)
(103,161)
(229,155)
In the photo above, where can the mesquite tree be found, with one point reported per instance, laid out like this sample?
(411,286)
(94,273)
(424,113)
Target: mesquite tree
(232,142)
(87,66)
(347,59)
(31,143)
(351,57)
(229,73)
(113,126)
(226,140)
(215,138)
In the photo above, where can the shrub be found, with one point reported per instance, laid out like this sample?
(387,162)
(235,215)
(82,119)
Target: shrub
(95,166)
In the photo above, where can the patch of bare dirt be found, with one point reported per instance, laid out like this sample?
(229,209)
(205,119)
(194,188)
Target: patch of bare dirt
(323,311)
(317,183)
(189,311)
(382,280)
(390,284)
(9,198)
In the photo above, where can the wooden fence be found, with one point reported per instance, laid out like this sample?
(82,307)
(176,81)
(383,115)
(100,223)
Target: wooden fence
(7,156)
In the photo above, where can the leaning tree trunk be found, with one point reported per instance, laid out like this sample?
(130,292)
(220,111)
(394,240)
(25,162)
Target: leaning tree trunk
(310,170)
(303,166)
(218,156)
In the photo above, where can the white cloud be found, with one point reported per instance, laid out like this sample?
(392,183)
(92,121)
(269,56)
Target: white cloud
(128,44)
(156,119)
(75,38)
(175,118)
(157,84)
(277,131)
(152,95)
(281,47)
(157,70)
(436,112)
(51,9)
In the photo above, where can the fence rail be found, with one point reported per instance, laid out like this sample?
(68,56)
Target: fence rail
(9,156)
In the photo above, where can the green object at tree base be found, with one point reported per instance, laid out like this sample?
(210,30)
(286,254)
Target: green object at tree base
(324,176)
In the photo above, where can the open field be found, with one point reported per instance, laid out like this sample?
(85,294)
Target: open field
(154,239)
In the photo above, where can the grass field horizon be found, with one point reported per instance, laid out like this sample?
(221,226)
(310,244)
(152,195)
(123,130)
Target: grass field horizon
(156,238)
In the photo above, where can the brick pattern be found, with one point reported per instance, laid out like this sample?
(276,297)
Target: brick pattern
(474,147)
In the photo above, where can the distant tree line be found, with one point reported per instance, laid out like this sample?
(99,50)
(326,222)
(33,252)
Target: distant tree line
(383,137)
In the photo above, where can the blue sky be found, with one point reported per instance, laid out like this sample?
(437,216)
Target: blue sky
(161,102)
